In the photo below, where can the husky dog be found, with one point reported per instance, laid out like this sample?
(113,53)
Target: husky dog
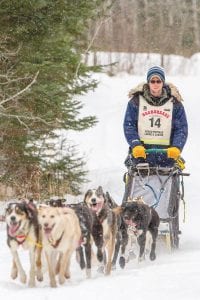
(91,230)
(23,230)
(142,221)
(122,237)
(61,235)
(97,202)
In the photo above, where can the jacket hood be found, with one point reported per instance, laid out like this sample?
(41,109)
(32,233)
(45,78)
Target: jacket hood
(171,90)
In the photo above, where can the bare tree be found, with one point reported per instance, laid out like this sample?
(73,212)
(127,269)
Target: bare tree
(165,27)
(195,9)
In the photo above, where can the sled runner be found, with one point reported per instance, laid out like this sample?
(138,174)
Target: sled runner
(161,188)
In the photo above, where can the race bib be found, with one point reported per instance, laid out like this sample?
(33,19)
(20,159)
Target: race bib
(155,122)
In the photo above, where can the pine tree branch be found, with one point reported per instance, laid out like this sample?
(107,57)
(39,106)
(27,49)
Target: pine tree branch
(22,91)
(20,117)
(8,80)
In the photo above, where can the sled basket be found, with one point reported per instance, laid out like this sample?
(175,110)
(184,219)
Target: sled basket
(160,188)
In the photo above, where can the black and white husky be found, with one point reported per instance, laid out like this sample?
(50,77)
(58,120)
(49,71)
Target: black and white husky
(23,230)
(142,222)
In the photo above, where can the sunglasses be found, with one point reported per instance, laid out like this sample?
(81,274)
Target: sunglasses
(155,81)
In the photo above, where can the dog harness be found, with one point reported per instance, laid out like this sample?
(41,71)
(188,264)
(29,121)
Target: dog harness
(55,245)
(21,238)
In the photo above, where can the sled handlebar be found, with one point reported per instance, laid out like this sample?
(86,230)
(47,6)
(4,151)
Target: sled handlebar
(180,161)
(155,150)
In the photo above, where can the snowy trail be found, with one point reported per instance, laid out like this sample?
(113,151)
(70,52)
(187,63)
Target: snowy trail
(172,276)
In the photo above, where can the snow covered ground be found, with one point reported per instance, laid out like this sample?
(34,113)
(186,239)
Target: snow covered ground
(138,63)
(173,275)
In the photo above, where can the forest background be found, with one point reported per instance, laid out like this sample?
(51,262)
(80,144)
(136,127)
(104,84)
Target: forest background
(45,72)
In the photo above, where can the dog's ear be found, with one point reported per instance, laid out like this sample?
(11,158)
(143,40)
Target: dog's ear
(31,205)
(109,199)
(30,209)
(86,195)
(100,190)
(8,207)
(108,196)
(100,193)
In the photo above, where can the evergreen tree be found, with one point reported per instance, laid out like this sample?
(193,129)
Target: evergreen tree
(41,75)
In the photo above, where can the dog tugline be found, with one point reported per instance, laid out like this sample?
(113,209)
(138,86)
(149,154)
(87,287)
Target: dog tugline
(156,129)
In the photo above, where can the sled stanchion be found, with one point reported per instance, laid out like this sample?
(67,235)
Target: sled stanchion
(184,211)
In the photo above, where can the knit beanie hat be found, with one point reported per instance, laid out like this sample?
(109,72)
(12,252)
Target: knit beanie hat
(156,71)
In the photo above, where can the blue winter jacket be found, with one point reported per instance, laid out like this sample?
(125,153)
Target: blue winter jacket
(179,130)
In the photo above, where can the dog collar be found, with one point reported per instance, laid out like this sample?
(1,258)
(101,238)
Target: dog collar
(20,238)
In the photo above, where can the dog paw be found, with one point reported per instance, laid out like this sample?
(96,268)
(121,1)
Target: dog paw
(31,283)
(108,270)
(67,275)
(88,273)
(14,273)
(39,276)
(152,256)
(122,261)
(53,284)
(61,279)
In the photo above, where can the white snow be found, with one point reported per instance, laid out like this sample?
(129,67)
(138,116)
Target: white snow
(138,63)
(173,275)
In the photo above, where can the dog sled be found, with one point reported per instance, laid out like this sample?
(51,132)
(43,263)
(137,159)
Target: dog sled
(162,188)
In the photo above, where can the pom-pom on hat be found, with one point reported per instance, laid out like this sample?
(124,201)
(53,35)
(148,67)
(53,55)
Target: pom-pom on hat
(156,71)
